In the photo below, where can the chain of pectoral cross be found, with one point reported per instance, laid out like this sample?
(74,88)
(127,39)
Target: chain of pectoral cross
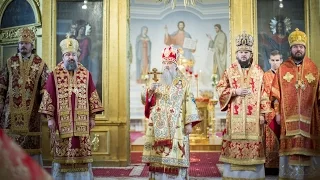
(72,85)
(299,83)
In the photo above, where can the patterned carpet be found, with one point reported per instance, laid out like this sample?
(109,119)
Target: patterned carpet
(203,164)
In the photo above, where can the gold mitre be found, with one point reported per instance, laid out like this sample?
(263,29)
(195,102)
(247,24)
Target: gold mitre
(297,37)
(69,45)
(26,35)
(244,42)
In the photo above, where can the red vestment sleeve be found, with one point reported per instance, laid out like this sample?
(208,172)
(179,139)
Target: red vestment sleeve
(94,99)
(148,104)
(50,98)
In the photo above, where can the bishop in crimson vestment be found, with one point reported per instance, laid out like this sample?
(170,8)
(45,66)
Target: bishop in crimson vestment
(242,95)
(70,103)
(172,112)
(296,88)
(21,83)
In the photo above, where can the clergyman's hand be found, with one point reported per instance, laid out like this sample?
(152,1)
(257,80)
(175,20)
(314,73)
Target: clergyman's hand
(278,118)
(242,91)
(262,120)
(188,129)
(92,123)
(154,86)
(52,124)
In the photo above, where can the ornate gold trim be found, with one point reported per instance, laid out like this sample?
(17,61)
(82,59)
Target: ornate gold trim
(104,138)
(235,167)
(88,159)
(242,161)
(10,35)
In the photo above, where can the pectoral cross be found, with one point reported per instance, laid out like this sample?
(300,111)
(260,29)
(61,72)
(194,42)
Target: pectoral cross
(155,74)
(15,65)
(300,84)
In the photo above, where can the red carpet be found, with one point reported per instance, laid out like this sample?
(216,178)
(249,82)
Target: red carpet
(203,165)
(135,135)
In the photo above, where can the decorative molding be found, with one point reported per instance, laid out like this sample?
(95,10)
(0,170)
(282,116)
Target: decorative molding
(10,35)
(100,138)
(37,2)
(95,142)
(156,12)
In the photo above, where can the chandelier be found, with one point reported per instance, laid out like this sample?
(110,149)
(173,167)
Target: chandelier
(185,2)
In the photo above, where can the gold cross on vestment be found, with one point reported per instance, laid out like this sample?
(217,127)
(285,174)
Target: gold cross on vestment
(155,73)
(15,65)
(29,80)
(34,67)
(288,77)
(310,78)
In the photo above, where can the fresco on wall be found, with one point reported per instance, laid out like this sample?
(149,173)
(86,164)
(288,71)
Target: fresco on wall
(201,33)
(204,26)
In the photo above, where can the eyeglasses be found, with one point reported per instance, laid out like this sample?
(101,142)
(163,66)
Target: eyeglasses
(167,62)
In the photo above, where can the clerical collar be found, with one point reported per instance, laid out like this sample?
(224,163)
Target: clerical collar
(26,58)
(274,71)
(298,63)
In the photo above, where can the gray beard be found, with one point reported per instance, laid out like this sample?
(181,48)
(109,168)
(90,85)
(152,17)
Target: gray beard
(168,76)
(71,66)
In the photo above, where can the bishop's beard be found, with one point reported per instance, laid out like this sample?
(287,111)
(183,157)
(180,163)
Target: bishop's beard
(298,57)
(245,64)
(71,65)
(168,75)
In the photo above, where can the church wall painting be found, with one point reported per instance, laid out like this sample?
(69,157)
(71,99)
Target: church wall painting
(154,25)
(85,25)
(147,36)
(275,23)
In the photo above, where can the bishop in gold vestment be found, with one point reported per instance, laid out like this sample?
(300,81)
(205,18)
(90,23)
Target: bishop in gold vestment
(21,83)
(296,89)
(70,103)
(171,110)
(242,95)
